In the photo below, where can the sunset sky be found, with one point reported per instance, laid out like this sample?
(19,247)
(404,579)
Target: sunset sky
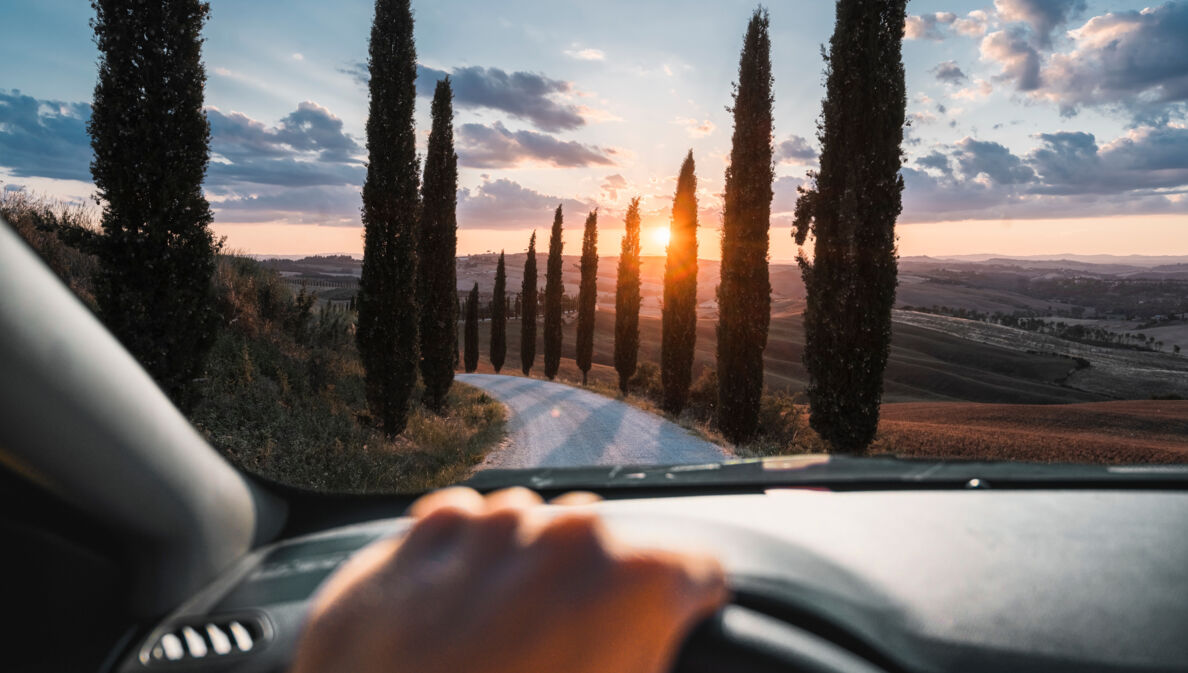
(1038,126)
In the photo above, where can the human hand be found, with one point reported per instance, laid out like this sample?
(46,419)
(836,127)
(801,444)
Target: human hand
(492,584)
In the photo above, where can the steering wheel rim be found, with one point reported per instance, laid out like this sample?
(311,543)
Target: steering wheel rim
(739,638)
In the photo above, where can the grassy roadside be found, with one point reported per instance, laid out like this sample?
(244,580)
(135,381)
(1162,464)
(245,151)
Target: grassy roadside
(283,394)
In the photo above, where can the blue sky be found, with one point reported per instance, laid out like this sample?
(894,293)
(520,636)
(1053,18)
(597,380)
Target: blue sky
(1039,126)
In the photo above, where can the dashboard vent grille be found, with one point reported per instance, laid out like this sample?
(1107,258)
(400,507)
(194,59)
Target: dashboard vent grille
(197,639)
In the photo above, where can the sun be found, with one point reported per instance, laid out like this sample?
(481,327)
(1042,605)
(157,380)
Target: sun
(660,235)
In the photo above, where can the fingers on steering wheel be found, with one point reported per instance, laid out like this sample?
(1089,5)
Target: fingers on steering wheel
(439,518)
(516,497)
(575,498)
(465,500)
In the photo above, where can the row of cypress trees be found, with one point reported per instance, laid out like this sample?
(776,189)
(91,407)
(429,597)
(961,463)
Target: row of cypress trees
(850,209)
(157,253)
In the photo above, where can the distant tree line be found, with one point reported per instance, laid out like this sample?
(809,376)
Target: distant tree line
(1028,320)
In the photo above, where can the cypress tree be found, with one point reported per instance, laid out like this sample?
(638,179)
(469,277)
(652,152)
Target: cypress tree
(387,328)
(499,317)
(627,300)
(437,246)
(851,209)
(528,310)
(744,293)
(587,295)
(151,143)
(471,331)
(554,289)
(678,331)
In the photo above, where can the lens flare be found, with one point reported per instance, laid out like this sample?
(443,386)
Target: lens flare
(660,236)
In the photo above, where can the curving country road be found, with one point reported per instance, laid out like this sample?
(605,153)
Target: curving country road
(555,425)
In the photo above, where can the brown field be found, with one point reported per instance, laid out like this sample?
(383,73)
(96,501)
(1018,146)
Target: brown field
(1132,431)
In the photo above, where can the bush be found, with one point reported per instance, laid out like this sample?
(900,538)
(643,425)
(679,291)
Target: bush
(703,396)
(646,381)
(783,427)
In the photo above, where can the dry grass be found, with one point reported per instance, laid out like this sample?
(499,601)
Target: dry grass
(38,221)
(434,451)
(284,399)
(283,392)
(1136,431)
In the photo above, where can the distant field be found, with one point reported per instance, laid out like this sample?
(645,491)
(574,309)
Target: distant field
(1138,431)
(925,364)
(1112,372)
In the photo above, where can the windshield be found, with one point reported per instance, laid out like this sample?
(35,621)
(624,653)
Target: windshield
(383,246)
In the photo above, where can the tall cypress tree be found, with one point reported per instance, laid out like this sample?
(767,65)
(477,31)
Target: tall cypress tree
(587,295)
(678,331)
(554,288)
(528,310)
(470,337)
(627,300)
(499,317)
(387,329)
(437,245)
(851,210)
(152,143)
(744,293)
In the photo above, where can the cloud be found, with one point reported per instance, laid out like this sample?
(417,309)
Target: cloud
(44,138)
(948,72)
(784,194)
(975,24)
(927,26)
(324,205)
(506,204)
(495,146)
(977,158)
(936,161)
(307,148)
(524,95)
(1041,16)
(795,150)
(939,25)
(694,128)
(1135,61)
(1147,158)
(612,185)
(1019,61)
(979,89)
(586,54)
(1068,174)
(922,117)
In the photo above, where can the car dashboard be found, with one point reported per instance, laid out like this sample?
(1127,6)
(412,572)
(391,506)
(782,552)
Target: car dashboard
(890,580)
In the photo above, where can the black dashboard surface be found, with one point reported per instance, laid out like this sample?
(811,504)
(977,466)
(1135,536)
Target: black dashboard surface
(967,581)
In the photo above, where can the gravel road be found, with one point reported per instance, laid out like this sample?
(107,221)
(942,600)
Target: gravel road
(555,425)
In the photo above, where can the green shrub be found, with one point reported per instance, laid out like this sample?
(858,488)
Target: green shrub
(703,396)
(646,381)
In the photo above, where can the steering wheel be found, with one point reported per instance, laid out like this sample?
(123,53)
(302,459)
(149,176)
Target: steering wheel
(737,638)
